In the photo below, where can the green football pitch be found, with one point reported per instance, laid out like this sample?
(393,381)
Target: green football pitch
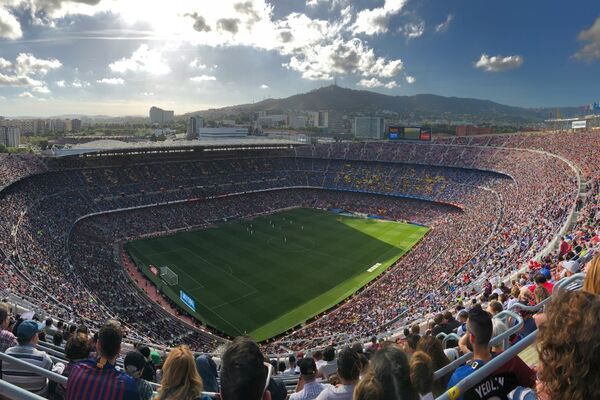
(265,275)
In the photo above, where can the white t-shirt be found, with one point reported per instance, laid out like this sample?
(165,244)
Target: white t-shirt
(341,392)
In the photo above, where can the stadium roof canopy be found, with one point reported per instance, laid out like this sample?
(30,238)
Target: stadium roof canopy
(100,146)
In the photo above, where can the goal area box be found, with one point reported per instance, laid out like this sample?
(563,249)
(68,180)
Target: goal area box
(169,276)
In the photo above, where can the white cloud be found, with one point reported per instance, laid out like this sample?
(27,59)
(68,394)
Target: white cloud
(41,90)
(375,21)
(410,79)
(80,84)
(203,78)
(18,81)
(263,86)
(413,30)
(442,27)
(498,63)
(61,84)
(4,63)
(143,59)
(10,28)
(322,62)
(26,95)
(196,64)
(28,64)
(111,81)
(147,94)
(376,83)
(591,37)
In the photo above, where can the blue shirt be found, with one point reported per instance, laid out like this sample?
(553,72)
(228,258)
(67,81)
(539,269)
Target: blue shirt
(88,381)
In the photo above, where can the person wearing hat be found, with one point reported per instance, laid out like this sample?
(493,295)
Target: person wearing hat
(308,388)
(134,364)
(25,350)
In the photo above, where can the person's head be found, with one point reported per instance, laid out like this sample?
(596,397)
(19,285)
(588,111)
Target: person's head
(434,349)
(494,307)
(568,345)
(60,325)
(49,322)
(448,316)
(411,342)
(388,377)
(540,293)
(462,316)
(308,369)
(292,361)
(57,339)
(539,279)
(415,329)
(180,379)
(109,340)
(479,327)
(243,374)
(134,364)
(328,353)
(77,348)
(4,316)
(208,372)
(145,351)
(281,366)
(591,283)
(317,355)
(82,329)
(28,331)
(348,365)
(421,372)
(438,319)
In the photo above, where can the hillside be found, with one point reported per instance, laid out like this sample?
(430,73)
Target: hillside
(418,107)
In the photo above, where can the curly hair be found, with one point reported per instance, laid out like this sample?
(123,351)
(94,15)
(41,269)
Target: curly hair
(568,344)
(591,283)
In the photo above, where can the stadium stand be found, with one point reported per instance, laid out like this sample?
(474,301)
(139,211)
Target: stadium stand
(498,205)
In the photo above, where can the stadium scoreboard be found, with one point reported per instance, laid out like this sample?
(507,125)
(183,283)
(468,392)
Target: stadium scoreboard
(409,133)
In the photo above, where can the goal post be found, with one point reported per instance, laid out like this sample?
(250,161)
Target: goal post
(169,276)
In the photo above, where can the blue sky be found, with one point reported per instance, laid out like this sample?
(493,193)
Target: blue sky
(119,57)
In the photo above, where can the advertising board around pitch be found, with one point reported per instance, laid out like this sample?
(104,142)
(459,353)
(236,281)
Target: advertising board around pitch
(187,299)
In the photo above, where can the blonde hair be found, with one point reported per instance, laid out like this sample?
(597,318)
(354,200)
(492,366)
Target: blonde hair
(180,379)
(591,283)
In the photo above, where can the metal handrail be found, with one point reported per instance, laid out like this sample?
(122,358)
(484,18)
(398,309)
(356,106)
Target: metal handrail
(569,280)
(497,339)
(53,376)
(488,369)
(15,392)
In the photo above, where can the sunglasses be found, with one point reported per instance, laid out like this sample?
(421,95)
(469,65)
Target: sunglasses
(269,374)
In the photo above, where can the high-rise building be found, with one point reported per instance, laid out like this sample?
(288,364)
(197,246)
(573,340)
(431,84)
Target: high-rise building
(10,136)
(160,116)
(320,119)
(369,127)
(75,125)
(194,125)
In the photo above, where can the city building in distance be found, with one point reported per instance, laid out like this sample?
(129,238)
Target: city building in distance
(160,116)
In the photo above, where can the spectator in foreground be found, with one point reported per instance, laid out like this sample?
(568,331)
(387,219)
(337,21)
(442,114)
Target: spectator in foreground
(388,377)
(208,372)
(308,388)
(421,375)
(433,347)
(27,338)
(134,364)
(98,379)
(591,283)
(244,374)
(180,378)
(76,350)
(498,385)
(568,345)
(348,371)
(7,339)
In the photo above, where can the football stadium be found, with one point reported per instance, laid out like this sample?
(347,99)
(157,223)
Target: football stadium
(299,200)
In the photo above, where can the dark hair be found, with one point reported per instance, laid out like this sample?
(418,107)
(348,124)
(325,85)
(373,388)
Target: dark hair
(57,339)
(329,353)
(421,372)
(480,325)
(539,278)
(281,366)
(438,319)
(390,368)
(82,329)
(243,374)
(292,359)
(348,364)
(48,321)
(77,347)
(495,306)
(415,329)
(144,350)
(448,315)
(110,337)
(434,349)
(318,355)
(413,341)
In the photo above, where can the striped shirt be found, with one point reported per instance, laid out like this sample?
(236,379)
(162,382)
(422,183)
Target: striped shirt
(88,381)
(310,391)
(7,339)
(23,378)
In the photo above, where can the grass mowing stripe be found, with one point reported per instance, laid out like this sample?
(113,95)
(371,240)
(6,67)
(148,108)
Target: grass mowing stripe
(297,269)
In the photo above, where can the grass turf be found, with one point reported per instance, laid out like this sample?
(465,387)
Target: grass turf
(265,275)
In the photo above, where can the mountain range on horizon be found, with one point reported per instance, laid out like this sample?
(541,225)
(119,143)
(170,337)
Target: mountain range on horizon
(420,107)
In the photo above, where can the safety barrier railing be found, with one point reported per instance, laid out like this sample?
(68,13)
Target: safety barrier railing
(14,392)
(495,340)
(53,376)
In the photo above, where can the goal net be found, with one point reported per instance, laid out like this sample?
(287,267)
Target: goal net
(169,276)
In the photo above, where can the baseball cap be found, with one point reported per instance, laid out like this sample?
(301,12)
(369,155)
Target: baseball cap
(307,366)
(155,357)
(28,328)
(134,362)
